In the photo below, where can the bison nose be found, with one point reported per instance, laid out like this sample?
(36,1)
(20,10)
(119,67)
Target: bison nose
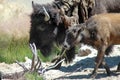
(65,46)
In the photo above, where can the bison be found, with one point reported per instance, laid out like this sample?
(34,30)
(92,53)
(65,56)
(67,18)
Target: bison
(55,26)
(88,8)
(106,6)
(43,27)
(48,28)
(100,31)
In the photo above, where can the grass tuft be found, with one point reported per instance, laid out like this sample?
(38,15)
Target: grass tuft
(33,76)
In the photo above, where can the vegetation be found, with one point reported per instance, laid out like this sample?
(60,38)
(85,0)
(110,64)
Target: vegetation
(14,25)
(11,50)
(33,76)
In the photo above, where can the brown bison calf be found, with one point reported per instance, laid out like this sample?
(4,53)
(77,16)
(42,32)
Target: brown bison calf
(100,31)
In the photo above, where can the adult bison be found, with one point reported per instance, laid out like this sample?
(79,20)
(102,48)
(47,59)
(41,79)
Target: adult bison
(47,28)
(106,6)
(100,31)
(44,26)
(88,8)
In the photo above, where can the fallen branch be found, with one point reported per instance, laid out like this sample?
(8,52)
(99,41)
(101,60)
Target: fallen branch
(61,55)
(22,65)
(36,64)
(51,67)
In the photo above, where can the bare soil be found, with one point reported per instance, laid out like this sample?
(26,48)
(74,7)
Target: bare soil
(79,69)
(82,67)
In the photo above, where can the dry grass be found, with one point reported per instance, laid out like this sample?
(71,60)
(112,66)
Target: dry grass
(14,21)
(14,31)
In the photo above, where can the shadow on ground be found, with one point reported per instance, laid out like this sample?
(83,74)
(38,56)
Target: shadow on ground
(88,63)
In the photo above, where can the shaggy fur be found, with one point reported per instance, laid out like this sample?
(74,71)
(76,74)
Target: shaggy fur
(41,32)
(45,33)
(100,31)
(88,8)
(106,6)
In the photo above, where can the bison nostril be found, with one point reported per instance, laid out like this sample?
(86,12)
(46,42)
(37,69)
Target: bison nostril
(65,46)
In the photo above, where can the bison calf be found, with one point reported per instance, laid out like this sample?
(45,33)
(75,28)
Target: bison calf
(100,31)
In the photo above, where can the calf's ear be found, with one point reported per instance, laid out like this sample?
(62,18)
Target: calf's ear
(82,27)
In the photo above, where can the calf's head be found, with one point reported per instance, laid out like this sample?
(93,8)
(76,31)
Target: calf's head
(74,35)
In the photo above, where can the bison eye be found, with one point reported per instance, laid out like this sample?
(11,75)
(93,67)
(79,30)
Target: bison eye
(74,31)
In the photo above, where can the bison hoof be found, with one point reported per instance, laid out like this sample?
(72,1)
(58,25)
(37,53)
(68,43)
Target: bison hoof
(93,75)
(118,68)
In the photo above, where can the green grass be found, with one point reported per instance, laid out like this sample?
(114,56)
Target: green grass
(33,76)
(12,50)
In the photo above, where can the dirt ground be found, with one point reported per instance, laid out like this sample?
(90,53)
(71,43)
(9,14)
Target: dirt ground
(82,67)
(79,69)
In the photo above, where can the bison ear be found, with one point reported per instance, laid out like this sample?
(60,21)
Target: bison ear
(34,6)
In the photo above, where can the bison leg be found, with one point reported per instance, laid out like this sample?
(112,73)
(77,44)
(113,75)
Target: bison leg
(98,63)
(118,68)
(104,64)
(98,60)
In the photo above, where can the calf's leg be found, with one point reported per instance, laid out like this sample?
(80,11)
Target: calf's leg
(98,60)
(104,64)
(118,68)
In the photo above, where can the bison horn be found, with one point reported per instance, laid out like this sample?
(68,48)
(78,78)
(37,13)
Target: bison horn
(47,17)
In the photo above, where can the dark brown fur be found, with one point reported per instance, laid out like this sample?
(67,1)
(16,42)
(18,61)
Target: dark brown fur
(42,32)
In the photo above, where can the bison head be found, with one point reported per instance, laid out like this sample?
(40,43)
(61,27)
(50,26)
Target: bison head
(74,35)
(44,23)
